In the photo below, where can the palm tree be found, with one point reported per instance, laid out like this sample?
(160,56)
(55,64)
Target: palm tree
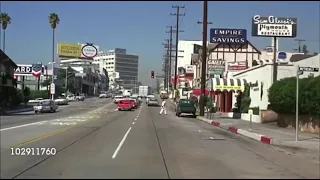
(53,21)
(5,19)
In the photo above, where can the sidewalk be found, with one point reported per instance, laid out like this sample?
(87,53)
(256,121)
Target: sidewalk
(19,109)
(266,133)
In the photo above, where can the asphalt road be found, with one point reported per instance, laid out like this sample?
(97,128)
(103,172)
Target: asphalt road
(142,144)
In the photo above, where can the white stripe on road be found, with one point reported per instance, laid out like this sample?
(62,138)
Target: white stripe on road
(14,127)
(121,143)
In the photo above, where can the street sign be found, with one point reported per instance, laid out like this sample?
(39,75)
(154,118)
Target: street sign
(52,88)
(299,73)
(159,76)
(309,69)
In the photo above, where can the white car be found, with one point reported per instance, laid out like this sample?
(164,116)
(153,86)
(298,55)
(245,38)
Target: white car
(61,101)
(149,97)
(103,95)
(37,100)
(46,105)
(117,99)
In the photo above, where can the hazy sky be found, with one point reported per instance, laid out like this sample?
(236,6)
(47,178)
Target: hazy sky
(140,26)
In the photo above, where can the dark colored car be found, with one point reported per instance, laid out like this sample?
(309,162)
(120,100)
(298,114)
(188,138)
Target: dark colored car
(185,106)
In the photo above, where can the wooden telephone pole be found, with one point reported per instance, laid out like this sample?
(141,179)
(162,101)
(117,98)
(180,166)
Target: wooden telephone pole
(177,14)
(204,56)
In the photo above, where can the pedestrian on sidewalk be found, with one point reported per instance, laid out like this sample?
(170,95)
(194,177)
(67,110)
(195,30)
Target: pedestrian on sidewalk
(163,107)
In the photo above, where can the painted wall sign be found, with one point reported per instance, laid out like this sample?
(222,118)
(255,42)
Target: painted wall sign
(228,36)
(239,65)
(272,26)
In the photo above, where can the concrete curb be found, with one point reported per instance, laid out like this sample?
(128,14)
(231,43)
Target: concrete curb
(19,110)
(262,138)
(255,136)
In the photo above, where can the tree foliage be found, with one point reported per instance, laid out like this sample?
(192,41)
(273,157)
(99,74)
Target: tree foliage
(305,49)
(282,96)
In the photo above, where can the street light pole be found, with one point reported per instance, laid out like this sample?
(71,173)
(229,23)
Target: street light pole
(52,79)
(66,86)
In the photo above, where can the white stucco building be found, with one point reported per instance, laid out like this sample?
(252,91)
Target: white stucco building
(260,78)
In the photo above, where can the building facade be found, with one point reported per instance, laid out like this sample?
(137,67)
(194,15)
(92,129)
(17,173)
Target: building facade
(24,77)
(7,81)
(118,61)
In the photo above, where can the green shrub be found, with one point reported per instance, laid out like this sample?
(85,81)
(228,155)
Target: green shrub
(256,110)
(282,96)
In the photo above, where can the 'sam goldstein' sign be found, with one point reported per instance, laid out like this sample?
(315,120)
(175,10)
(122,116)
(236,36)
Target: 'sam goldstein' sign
(272,26)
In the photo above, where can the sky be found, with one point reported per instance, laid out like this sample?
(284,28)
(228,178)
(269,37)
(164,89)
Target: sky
(140,27)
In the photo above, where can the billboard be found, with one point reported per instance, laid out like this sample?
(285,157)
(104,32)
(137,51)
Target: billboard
(29,70)
(272,26)
(81,51)
(228,36)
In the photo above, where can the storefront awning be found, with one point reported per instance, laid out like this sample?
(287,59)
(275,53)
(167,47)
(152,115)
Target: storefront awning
(220,84)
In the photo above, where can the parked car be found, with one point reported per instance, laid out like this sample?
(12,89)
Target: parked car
(153,102)
(61,101)
(46,105)
(37,100)
(185,106)
(124,105)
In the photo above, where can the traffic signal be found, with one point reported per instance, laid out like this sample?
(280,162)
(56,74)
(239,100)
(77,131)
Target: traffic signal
(152,74)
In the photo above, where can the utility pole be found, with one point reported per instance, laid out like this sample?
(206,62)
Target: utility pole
(299,43)
(177,14)
(1,27)
(204,56)
(170,54)
(166,59)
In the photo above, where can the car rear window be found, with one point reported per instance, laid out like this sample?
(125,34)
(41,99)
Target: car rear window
(185,102)
(124,102)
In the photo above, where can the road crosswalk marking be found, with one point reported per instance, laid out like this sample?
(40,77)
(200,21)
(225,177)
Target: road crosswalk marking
(73,120)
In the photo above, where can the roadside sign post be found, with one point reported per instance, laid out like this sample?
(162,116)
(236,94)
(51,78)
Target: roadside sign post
(52,89)
(300,71)
(297,101)
(250,112)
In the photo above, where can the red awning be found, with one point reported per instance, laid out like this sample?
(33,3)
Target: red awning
(197,92)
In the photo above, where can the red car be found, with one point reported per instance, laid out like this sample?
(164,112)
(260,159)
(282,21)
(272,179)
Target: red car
(133,103)
(124,105)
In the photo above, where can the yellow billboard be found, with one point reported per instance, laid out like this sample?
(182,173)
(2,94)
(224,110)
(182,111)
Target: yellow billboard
(69,50)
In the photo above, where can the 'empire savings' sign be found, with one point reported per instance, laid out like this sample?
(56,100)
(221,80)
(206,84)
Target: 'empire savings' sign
(228,36)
